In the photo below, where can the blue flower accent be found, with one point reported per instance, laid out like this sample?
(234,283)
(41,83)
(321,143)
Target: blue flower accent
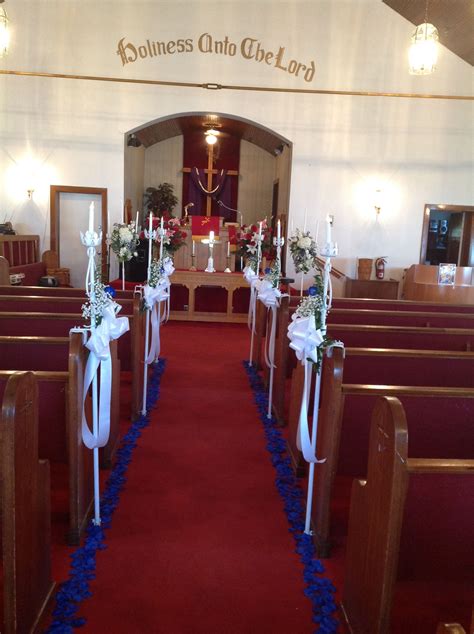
(313,291)
(110,290)
(319,589)
(268,270)
(73,591)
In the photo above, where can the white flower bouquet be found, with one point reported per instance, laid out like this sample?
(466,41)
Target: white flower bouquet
(124,241)
(303,250)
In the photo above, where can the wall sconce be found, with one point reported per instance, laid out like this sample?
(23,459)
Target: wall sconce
(4,31)
(378,201)
(30,193)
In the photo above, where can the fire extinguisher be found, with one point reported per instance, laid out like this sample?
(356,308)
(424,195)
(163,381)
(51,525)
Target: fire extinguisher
(380,268)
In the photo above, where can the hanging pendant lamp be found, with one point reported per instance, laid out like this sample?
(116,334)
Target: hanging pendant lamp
(4,32)
(423,52)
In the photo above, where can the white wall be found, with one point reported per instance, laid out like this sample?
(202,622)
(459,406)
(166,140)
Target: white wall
(164,164)
(344,148)
(256,176)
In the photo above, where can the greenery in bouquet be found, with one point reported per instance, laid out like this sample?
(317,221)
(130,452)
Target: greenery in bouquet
(312,304)
(272,274)
(303,251)
(124,241)
(156,273)
(174,237)
(248,239)
(94,307)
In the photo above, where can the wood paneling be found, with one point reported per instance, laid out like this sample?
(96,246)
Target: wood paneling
(257,169)
(163,164)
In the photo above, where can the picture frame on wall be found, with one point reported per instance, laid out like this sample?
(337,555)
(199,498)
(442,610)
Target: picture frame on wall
(446,274)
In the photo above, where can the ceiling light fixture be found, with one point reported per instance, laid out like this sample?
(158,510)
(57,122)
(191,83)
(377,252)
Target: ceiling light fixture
(211,136)
(423,52)
(4,32)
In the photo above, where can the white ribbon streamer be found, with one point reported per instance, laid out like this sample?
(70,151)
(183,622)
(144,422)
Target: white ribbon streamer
(253,280)
(305,340)
(110,328)
(154,296)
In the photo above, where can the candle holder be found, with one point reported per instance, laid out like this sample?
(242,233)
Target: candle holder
(330,250)
(193,263)
(210,261)
(227,268)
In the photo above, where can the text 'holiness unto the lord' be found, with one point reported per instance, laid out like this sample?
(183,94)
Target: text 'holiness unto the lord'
(249,48)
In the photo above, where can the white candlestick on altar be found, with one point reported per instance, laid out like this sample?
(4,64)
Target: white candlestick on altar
(328,229)
(91,217)
(228,249)
(211,236)
(193,248)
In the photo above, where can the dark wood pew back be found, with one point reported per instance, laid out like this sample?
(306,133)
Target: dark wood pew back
(52,304)
(60,440)
(400,304)
(400,318)
(25,508)
(411,521)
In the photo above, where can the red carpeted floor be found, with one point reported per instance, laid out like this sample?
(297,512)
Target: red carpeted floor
(200,541)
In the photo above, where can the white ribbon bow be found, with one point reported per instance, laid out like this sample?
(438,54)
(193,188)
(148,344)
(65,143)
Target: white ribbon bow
(110,328)
(305,340)
(253,280)
(270,297)
(154,296)
(168,267)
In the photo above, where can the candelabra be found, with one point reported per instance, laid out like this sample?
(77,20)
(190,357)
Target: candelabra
(193,263)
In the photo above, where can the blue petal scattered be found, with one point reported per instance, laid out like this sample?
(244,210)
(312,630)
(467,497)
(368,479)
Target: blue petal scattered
(73,591)
(318,589)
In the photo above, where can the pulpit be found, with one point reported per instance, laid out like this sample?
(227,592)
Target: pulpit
(421,284)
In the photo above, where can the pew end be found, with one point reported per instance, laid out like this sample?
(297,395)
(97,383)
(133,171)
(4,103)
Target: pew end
(26,510)
(386,522)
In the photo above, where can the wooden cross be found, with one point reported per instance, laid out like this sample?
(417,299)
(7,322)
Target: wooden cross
(210,171)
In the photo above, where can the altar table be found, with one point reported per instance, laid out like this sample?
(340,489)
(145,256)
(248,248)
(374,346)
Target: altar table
(195,280)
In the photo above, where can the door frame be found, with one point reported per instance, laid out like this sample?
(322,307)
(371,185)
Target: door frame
(467,242)
(55,211)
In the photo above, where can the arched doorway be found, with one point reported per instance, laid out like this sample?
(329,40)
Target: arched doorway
(257,161)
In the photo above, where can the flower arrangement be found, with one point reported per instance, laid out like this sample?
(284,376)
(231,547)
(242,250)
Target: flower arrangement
(174,237)
(93,309)
(303,250)
(248,239)
(312,304)
(124,241)
(272,275)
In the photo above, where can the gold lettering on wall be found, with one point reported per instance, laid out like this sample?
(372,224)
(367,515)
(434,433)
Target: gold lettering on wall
(249,48)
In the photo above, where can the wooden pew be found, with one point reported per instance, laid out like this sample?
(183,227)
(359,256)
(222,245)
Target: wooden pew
(400,318)
(48,304)
(400,304)
(25,509)
(55,291)
(344,414)
(60,416)
(52,354)
(410,534)
(364,336)
(130,345)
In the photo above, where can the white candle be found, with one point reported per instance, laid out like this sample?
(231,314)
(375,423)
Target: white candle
(193,247)
(136,222)
(228,249)
(211,236)
(150,230)
(278,230)
(260,228)
(328,229)
(162,223)
(91,217)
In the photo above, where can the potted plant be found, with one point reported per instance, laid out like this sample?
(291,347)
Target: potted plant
(160,200)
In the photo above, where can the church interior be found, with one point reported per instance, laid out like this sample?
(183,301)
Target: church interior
(237,316)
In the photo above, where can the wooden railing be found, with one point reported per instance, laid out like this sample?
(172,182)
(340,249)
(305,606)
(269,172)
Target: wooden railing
(19,250)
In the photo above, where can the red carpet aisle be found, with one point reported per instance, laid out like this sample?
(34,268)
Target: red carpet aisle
(200,542)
